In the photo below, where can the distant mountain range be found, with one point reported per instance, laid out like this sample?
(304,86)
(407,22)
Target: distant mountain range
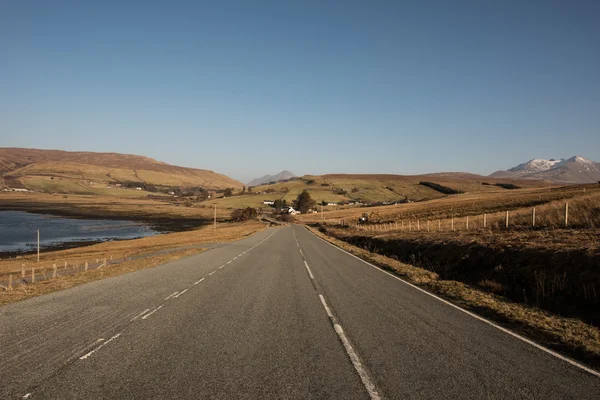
(282,176)
(571,170)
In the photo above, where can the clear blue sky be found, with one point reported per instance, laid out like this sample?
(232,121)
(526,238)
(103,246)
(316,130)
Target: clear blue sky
(247,88)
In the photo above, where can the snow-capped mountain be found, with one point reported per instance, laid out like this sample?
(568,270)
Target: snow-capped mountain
(576,169)
(282,176)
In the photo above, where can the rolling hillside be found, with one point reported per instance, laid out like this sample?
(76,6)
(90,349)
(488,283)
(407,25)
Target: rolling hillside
(367,189)
(89,173)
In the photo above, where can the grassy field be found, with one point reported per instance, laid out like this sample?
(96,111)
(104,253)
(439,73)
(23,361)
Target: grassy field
(370,188)
(92,206)
(117,249)
(462,205)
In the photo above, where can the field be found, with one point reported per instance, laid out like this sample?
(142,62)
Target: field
(371,188)
(135,209)
(462,205)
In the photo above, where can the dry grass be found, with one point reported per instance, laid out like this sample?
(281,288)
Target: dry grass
(458,206)
(118,249)
(572,336)
(23,292)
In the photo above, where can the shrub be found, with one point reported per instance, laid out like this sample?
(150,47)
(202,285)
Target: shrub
(244,214)
(439,188)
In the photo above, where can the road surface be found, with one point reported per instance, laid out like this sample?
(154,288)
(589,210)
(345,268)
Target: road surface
(281,314)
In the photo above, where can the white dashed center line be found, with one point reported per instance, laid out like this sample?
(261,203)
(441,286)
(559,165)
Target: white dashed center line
(171,295)
(182,292)
(197,282)
(99,347)
(212,273)
(308,269)
(152,312)
(140,314)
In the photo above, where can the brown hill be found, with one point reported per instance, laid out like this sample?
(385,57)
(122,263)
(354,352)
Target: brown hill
(33,168)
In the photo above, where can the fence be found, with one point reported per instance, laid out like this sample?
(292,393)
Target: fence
(548,216)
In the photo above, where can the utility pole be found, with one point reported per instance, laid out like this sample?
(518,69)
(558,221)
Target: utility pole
(38,247)
(322,215)
(215,218)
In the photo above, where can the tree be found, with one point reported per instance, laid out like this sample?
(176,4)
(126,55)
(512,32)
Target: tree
(249,189)
(304,202)
(278,204)
(228,192)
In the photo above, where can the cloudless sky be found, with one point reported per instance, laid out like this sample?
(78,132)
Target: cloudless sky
(247,88)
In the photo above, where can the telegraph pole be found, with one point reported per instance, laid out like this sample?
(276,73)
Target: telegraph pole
(38,247)
(215,218)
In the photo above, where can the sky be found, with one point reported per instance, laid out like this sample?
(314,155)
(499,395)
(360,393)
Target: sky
(248,88)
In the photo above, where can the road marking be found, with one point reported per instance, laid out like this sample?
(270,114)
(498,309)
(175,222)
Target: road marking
(228,262)
(182,292)
(222,266)
(171,295)
(27,396)
(197,282)
(301,253)
(212,273)
(142,313)
(152,312)
(513,334)
(308,269)
(234,258)
(99,347)
(362,373)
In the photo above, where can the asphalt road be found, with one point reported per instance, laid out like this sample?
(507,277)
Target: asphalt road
(281,314)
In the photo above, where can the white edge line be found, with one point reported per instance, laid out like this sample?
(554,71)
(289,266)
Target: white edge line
(513,334)
(152,312)
(197,282)
(99,347)
(182,292)
(140,314)
(362,373)
(308,269)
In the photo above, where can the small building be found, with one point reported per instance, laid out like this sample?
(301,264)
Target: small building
(20,190)
(291,211)
(332,204)
(269,202)
(138,188)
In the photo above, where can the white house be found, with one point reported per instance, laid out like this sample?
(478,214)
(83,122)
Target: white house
(291,211)
(269,202)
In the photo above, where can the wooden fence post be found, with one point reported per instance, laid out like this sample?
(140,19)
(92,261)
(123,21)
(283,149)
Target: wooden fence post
(9,287)
(418,224)
(533,216)
(467,222)
(427,225)
(566,214)
(452,224)
(439,225)
(507,218)
(484,220)
(65,265)
(86,266)
(22,270)
(54,273)
(32,274)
